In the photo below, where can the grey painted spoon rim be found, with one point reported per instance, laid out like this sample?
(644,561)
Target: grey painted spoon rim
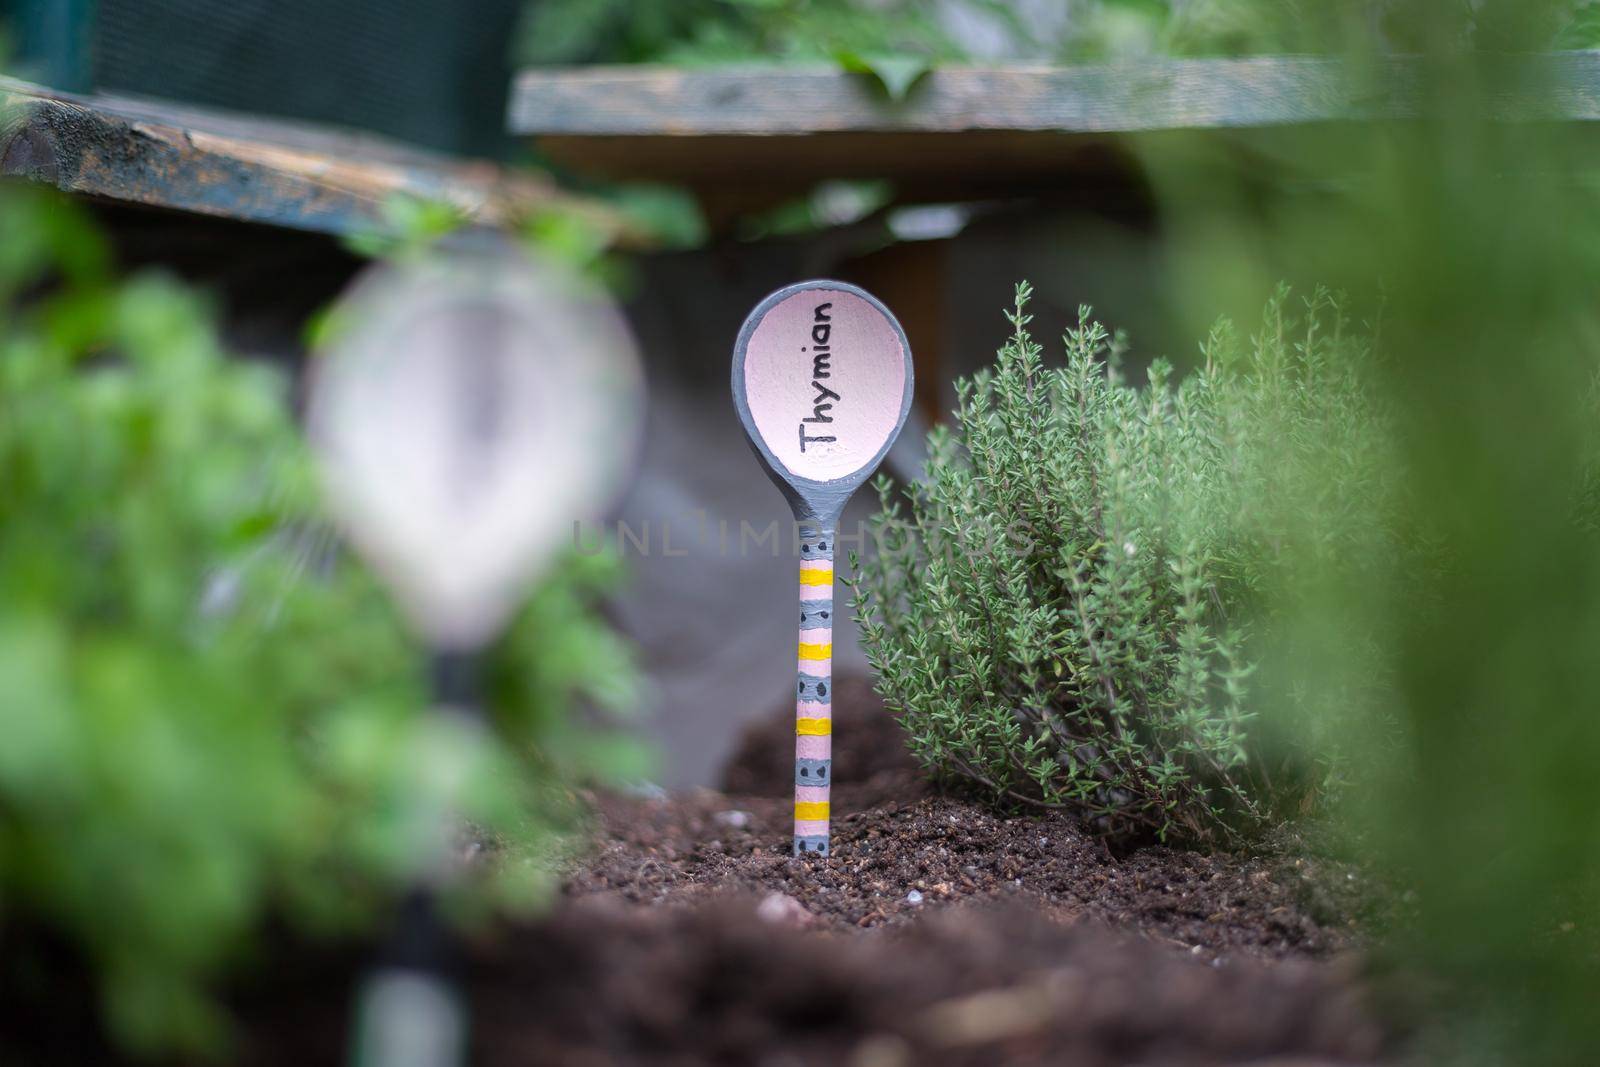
(810,499)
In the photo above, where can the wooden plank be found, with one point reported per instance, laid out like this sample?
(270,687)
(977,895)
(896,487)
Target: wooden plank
(662,101)
(746,138)
(260,171)
(1171,94)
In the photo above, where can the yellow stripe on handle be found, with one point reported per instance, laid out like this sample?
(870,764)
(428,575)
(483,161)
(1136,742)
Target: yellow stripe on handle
(815,680)
(809,810)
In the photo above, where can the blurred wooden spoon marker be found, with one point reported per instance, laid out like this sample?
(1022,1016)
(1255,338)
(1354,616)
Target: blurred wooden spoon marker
(467,410)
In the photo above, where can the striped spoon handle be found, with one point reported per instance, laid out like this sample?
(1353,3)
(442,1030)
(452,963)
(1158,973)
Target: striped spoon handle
(813,748)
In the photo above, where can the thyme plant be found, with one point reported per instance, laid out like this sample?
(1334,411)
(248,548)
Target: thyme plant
(1058,611)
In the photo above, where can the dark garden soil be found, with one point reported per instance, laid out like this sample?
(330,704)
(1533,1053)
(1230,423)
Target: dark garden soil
(939,933)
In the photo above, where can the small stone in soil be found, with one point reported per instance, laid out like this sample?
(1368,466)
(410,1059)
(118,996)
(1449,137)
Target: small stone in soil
(736,819)
(783,909)
(913,897)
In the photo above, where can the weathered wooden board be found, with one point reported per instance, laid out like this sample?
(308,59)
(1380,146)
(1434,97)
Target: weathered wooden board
(1148,95)
(736,133)
(259,171)
(662,101)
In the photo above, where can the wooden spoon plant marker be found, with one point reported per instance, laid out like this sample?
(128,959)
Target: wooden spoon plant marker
(468,409)
(822,382)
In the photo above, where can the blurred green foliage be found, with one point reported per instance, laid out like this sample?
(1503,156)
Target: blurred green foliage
(669,214)
(720,31)
(406,226)
(210,714)
(583,241)
(898,39)
(894,41)
(1475,230)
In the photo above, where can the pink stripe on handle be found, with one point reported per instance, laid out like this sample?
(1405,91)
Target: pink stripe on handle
(810,827)
(813,711)
(816,592)
(808,746)
(809,793)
